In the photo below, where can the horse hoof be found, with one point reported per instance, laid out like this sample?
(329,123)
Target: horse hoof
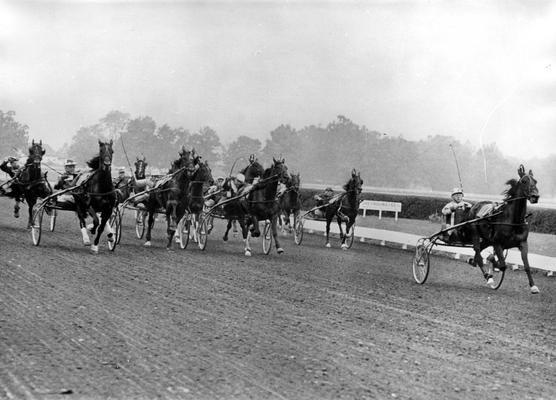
(225,238)
(248,253)
(534,290)
(279,250)
(327,245)
(111,238)
(147,244)
(490,282)
(86,243)
(94,249)
(344,246)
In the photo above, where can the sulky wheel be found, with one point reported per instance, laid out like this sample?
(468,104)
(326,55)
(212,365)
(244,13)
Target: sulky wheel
(202,232)
(184,228)
(115,222)
(140,220)
(267,237)
(298,230)
(36,227)
(421,262)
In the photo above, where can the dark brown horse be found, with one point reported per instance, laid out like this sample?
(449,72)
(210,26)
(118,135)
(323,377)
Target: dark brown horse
(31,181)
(199,184)
(290,201)
(507,227)
(262,204)
(97,195)
(169,195)
(345,208)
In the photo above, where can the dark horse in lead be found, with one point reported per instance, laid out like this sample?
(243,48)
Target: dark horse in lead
(97,195)
(507,227)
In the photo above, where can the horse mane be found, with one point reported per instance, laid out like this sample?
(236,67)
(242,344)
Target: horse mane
(512,190)
(94,162)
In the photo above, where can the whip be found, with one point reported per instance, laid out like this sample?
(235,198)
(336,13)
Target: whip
(457,167)
(125,153)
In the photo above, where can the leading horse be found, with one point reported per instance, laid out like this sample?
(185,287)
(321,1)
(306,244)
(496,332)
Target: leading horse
(96,194)
(505,226)
(345,208)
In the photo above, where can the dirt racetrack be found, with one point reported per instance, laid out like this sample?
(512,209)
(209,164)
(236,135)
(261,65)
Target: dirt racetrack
(313,323)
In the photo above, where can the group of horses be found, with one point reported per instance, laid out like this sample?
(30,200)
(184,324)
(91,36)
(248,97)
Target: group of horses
(183,190)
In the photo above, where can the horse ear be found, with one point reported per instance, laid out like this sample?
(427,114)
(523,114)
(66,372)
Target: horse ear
(40,142)
(353,173)
(521,171)
(32,142)
(44,151)
(111,142)
(531,172)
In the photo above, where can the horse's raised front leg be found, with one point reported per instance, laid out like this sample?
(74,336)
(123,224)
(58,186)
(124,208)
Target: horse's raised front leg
(31,203)
(524,249)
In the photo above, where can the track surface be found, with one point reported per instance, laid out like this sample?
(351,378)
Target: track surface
(313,323)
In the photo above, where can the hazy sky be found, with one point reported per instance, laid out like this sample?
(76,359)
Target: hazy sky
(479,70)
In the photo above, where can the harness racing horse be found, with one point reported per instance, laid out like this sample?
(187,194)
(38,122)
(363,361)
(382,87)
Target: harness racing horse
(345,208)
(234,211)
(507,227)
(170,195)
(31,181)
(200,181)
(96,194)
(290,201)
(261,203)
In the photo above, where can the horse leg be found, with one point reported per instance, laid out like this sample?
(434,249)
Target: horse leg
(150,224)
(328,221)
(31,203)
(246,236)
(342,236)
(274,227)
(16,207)
(104,217)
(524,249)
(349,226)
(255,231)
(170,226)
(228,227)
(83,226)
(96,222)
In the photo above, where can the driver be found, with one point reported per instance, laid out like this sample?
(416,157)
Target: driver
(451,211)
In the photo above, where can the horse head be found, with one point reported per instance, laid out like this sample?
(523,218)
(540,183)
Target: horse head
(35,153)
(140,167)
(527,185)
(294,182)
(280,169)
(355,184)
(105,154)
(204,173)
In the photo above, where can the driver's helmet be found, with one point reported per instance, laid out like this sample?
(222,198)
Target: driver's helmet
(456,191)
(252,158)
(240,177)
(121,171)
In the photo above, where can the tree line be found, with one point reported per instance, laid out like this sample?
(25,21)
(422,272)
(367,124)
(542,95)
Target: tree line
(321,154)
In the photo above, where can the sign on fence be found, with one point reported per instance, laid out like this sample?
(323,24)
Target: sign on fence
(380,206)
